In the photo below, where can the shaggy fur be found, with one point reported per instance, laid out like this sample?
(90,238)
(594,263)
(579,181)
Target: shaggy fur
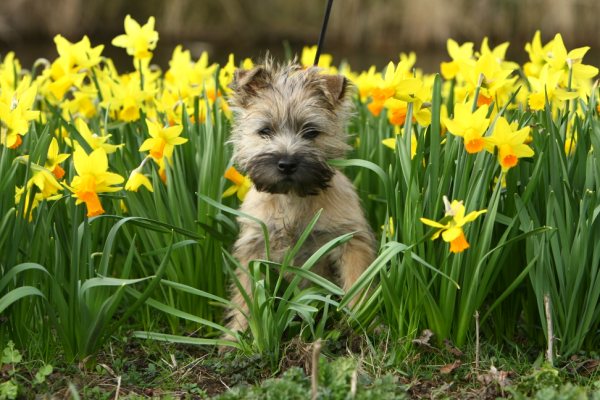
(288,123)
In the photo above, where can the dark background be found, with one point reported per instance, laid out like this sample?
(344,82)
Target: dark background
(364,32)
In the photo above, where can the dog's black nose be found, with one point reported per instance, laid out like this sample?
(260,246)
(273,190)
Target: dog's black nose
(287,165)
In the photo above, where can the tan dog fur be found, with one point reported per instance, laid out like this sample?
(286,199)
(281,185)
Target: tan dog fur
(288,122)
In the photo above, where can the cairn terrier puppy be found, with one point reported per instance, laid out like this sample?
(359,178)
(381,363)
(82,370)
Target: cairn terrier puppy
(288,122)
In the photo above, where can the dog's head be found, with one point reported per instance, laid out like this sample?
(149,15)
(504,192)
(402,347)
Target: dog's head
(288,121)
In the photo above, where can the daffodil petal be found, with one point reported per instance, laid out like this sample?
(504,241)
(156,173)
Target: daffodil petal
(450,234)
(432,223)
(230,191)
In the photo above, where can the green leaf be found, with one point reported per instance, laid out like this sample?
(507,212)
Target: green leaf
(180,314)
(9,390)
(243,215)
(184,339)
(107,282)
(18,294)
(10,355)
(10,275)
(43,372)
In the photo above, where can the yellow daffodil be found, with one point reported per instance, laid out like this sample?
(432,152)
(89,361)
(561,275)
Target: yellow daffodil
(470,126)
(397,110)
(443,119)
(10,70)
(376,105)
(37,199)
(137,40)
(137,179)
(559,59)
(94,140)
(509,142)
(123,206)
(84,103)
(45,182)
(227,71)
(62,81)
(16,113)
(397,82)
(28,209)
(498,53)
(547,87)
(172,105)
(389,228)
(68,71)
(458,54)
(452,230)
(46,186)
(491,76)
(241,183)
(537,53)
(74,63)
(80,55)
(400,78)
(366,81)
(163,140)
(54,159)
(135,98)
(485,71)
(185,78)
(162,170)
(307,58)
(92,178)
(555,73)
(391,143)
(126,97)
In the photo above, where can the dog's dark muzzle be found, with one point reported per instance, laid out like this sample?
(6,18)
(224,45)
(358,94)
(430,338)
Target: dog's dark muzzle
(300,174)
(287,165)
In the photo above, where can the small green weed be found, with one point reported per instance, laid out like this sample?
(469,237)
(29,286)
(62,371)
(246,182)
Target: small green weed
(338,380)
(17,378)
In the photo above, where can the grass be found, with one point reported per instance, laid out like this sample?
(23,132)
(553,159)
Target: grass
(132,369)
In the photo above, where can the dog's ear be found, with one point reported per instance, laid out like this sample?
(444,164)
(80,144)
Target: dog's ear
(247,82)
(336,87)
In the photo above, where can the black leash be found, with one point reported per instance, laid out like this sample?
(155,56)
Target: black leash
(323,29)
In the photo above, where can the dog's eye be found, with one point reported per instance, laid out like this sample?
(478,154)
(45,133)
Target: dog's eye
(310,133)
(266,132)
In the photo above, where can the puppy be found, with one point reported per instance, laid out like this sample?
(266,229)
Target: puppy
(288,122)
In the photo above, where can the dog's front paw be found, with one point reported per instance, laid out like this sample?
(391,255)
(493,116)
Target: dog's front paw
(226,348)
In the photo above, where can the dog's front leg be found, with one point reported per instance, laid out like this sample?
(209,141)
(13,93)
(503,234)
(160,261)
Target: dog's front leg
(357,255)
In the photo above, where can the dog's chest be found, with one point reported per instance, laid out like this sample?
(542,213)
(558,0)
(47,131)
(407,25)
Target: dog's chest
(285,232)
